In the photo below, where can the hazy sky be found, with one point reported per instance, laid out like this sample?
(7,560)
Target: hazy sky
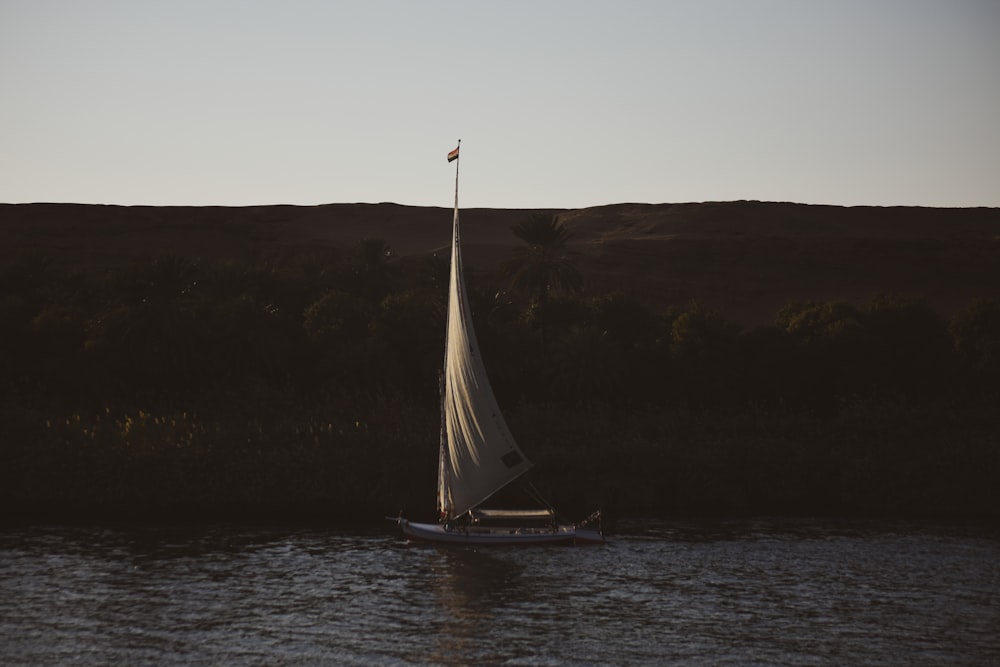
(558,103)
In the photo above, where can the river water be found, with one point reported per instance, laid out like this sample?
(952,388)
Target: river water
(772,592)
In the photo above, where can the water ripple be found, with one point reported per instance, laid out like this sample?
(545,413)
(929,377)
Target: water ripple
(698,592)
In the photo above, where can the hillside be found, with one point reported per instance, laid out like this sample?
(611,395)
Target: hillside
(744,259)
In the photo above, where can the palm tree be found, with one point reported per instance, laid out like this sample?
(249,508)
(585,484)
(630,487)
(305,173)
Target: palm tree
(543,263)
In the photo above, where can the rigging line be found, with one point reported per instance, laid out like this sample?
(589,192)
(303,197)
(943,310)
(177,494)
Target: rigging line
(537,496)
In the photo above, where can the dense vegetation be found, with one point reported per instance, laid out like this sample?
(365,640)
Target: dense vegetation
(183,388)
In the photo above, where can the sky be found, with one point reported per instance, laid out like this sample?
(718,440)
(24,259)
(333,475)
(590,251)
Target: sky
(559,104)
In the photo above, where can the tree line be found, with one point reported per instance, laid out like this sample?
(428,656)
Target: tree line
(284,375)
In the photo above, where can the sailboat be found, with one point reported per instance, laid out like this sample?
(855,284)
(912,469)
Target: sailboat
(478,457)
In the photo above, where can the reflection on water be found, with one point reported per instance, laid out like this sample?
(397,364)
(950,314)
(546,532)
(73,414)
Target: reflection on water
(468,587)
(698,592)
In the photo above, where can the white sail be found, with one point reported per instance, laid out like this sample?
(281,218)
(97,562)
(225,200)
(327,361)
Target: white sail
(478,455)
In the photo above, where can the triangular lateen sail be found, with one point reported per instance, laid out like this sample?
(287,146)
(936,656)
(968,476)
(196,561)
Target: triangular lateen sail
(479,455)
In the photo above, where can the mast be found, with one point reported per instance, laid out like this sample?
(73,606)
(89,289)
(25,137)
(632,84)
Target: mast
(444,501)
(457,160)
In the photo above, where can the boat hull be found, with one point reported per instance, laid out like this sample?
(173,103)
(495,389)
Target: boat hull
(438,533)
